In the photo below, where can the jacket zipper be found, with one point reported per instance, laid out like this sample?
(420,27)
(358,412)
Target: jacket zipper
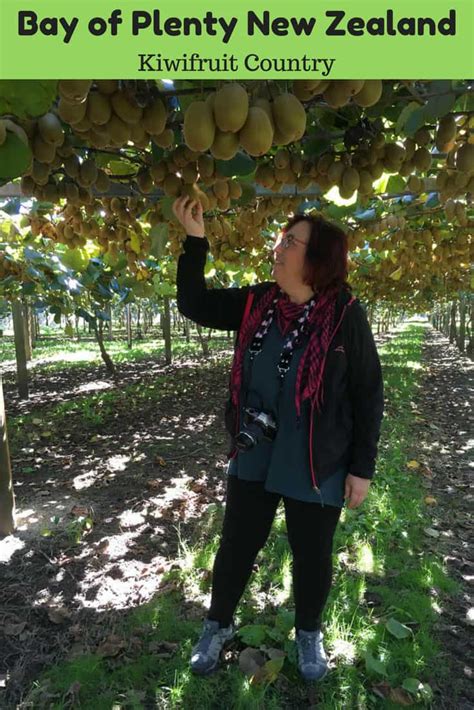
(313,401)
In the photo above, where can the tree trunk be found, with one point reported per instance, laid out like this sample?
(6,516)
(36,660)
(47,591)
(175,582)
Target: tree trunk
(33,328)
(204,341)
(26,325)
(462,324)
(452,328)
(187,330)
(139,324)
(20,349)
(7,496)
(167,329)
(128,324)
(99,336)
(109,323)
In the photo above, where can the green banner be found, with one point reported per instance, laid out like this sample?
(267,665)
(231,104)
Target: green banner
(337,39)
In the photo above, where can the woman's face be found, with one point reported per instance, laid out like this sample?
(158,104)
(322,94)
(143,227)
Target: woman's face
(289,262)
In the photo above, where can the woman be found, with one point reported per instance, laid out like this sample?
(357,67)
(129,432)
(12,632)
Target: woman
(304,412)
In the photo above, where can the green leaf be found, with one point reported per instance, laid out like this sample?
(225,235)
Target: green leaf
(166,204)
(122,167)
(76,259)
(253,635)
(15,157)
(400,631)
(413,685)
(285,620)
(159,238)
(240,164)
(395,184)
(373,665)
(26,98)
(405,115)
(416,120)
(439,106)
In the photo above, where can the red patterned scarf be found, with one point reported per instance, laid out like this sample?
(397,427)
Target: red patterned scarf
(320,325)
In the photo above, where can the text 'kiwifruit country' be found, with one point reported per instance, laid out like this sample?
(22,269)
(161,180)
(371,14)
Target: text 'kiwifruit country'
(335,23)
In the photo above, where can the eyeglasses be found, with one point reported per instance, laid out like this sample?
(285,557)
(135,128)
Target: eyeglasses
(287,240)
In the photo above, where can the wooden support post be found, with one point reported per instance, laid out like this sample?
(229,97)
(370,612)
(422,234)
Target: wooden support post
(167,329)
(7,496)
(20,349)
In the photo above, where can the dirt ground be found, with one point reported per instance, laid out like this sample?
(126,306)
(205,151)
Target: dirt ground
(141,479)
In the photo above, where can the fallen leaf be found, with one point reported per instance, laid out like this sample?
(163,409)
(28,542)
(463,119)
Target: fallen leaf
(59,614)
(382,690)
(413,464)
(431,532)
(160,461)
(268,672)
(153,484)
(429,500)
(400,696)
(80,511)
(111,646)
(250,660)
(14,629)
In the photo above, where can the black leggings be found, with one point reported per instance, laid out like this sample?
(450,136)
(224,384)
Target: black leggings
(249,514)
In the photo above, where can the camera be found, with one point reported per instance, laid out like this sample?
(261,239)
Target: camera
(256,427)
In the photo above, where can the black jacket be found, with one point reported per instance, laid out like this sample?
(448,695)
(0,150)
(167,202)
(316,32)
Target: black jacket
(347,430)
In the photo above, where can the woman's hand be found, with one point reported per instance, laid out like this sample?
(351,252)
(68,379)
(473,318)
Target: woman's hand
(189,213)
(356,490)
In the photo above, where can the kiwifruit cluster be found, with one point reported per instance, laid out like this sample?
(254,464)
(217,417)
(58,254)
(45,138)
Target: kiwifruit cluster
(338,93)
(228,120)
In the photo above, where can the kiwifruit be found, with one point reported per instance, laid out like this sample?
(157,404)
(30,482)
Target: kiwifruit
(50,129)
(225,145)
(231,105)
(370,93)
(42,151)
(206,165)
(172,185)
(422,159)
(71,113)
(154,118)
(422,136)
(199,128)
(465,158)
(119,131)
(165,139)
(99,109)
(74,90)
(107,86)
(125,108)
(256,136)
(289,116)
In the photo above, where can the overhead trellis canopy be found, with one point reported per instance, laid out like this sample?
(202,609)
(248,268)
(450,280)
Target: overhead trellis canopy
(90,170)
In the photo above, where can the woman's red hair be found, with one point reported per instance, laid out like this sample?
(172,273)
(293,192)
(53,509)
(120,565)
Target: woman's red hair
(326,254)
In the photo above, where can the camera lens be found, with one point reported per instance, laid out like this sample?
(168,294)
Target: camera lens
(244,441)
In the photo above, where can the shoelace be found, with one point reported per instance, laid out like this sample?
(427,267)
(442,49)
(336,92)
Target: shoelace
(310,643)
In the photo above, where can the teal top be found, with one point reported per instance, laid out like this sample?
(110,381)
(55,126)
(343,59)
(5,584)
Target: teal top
(284,462)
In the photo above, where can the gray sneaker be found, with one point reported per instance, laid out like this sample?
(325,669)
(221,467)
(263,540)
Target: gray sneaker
(206,653)
(312,661)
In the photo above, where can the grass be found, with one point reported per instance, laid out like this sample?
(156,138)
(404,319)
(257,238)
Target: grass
(60,352)
(379,555)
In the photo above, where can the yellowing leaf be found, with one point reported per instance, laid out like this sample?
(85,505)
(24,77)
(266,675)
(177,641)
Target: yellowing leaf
(413,464)
(397,274)
(135,243)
